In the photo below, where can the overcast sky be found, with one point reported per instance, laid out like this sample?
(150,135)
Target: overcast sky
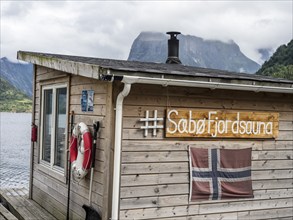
(106,29)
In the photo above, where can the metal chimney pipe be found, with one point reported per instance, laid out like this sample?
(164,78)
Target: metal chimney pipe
(173,48)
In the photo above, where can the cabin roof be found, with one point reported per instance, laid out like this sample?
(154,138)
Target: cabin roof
(94,67)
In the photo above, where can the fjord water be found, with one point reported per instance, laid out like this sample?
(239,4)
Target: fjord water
(14,149)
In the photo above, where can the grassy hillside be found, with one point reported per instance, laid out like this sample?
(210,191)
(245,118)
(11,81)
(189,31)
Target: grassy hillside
(280,65)
(12,100)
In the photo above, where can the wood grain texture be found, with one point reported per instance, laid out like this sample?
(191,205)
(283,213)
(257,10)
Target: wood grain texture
(221,124)
(155,169)
(47,189)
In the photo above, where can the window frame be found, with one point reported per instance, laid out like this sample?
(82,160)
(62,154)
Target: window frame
(50,167)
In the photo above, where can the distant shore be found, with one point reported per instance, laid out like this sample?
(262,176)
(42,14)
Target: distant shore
(16,106)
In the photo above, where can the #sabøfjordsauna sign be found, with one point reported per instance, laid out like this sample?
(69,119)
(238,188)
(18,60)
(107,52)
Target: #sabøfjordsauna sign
(221,124)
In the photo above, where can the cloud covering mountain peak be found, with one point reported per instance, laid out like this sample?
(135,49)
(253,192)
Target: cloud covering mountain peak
(193,51)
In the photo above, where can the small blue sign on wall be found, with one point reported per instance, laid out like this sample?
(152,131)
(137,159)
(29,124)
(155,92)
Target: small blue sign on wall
(90,100)
(87,100)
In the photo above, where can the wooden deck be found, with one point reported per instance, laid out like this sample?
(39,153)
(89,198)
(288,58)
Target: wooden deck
(16,205)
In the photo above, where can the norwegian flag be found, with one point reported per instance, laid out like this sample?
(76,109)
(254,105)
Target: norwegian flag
(220,174)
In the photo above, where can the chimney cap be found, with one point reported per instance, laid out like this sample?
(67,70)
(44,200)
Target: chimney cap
(173,33)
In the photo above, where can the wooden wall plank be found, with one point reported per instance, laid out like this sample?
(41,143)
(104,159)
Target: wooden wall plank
(153,168)
(150,168)
(268,164)
(266,214)
(42,70)
(132,157)
(150,213)
(278,145)
(149,202)
(178,167)
(274,155)
(49,204)
(56,197)
(167,189)
(203,93)
(137,201)
(203,209)
(138,134)
(154,179)
(99,111)
(46,186)
(167,145)
(245,205)
(53,74)
(261,179)
(271,174)
(271,152)
(273,184)
(282,213)
(79,80)
(286,126)
(98,87)
(190,102)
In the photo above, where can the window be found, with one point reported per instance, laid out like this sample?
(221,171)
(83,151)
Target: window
(54,126)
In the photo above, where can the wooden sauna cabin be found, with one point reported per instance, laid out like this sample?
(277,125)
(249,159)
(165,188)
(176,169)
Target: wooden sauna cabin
(150,116)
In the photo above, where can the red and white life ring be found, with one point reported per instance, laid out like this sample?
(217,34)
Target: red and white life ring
(80,151)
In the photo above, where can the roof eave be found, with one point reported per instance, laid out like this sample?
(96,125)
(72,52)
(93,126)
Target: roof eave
(75,68)
(205,82)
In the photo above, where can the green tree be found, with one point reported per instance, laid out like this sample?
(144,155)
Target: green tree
(280,65)
(12,100)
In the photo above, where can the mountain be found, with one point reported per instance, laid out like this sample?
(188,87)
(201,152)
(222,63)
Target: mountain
(13,100)
(193,51)
(265,54)
(280,65)
(18,74)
